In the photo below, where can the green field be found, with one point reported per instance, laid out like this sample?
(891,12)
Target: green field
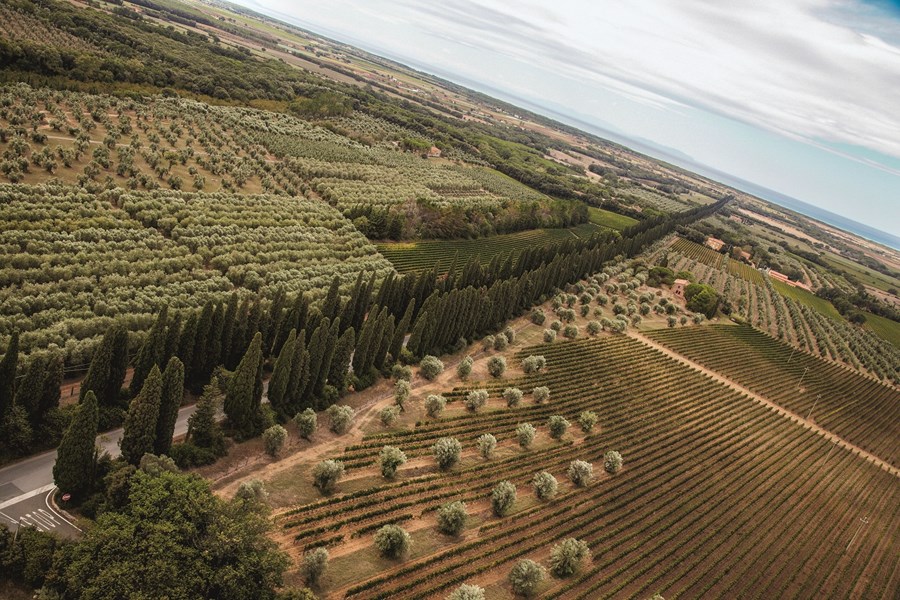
(885,328)
(811,300)
(864,274)
(425,254)
(606,218)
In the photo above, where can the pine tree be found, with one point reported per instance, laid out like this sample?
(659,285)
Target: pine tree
(8,375)
(139,430)
(151,351)
(30,389)
(331,305)
(244,393)
(76,456)
(401,329)
(170,401)
(340,363)
(281,378)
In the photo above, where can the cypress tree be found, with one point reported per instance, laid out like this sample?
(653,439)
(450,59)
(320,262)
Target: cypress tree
(8,374)
(276,316)
(386,333)
(53,376)
(214,345)
(196,369)
(364,343)
(401,329)
(170,401)
(187,339)
(228,325)
(76,456)
(118,366)
(281,378)
(151,351)
(139,430)
(238,345)
(331,305)
(203,429)
(299,379)
(106,373)
(349,311)
(317,350)
(340,363)
(30,389)
(173,335)
(244,392)
(329,346)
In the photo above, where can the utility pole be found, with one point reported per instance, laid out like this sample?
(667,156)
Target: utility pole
(862,521)
(801,377)
(813,407)
(792,354)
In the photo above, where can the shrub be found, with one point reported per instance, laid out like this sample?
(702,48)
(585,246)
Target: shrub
(540,394)
(401,372)
(496,366)
(391,458)
(392,541)
(315,562)
(487,343)
(538,317)
(486,445)
(446,452)
(341,417)
(503,496)
(430,367)
(545,485)
(525,434)
(587,419)
(526,576)
(549,336)
(500,342)
(580,472)
(571,332)
(534,364)
(434,405)
(402,390)
(594,327)
(464,368)
(602,299)
(388,415)
(451,518)
(513,396)
(510,334)
(671,321)
(326,475)
(274,438)
(476,399)
(306,423)
(556,325)
(584,310)
(467,592)
(612,462)
(567,557)
(558,426)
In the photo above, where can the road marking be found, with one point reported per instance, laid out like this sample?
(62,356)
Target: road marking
(11,520)
(50,508)
(27,495)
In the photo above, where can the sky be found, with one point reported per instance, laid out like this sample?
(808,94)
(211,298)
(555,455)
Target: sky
(799,96)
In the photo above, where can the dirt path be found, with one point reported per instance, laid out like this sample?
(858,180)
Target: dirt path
(766,402)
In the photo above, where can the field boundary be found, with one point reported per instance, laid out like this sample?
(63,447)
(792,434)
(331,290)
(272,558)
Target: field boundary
(792,416)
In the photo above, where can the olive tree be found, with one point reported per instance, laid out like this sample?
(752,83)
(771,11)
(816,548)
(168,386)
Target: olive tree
(510,334)
(467,592)
(434,405)
(391,458)
(464,368)
(388,415)
(587,420)
(486,445)
(525,434)
(341,416)
(612,462)
(487,343)
(430,367)
(594,327)
(534,364)
(315,562)
(446,452)
(326,475)
(451,517)
(500,342)
(568,556)
(274,438)
(306,423)
(526,576)
(537,316)
(476,399)
(402,391)
(545,485)
(392,541)
(581,472)
(558,426)
(549,336)
(540,394)
(513,396)
(496,366)
(503,496)
(571,332)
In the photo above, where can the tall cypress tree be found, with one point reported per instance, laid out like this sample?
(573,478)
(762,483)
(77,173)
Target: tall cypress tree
(151,351)
(364,343)
(214,345)
(401,329)
(254,318)
(8,374)
(238,345)
(228,325)
(281,378)
(170,401)
(139,431)
(299,379)
(329,346)
(30,389)
(340,363)
(203,429)
(331,305)
(76,456)
(276,316)
(186,341)
(317,348)
(387,336)
(244,393)
(53,377)
(118,366)
(106,373)
(196,369)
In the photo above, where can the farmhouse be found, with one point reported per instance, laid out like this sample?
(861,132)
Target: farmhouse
(678,287)
(714,243)
(784,279)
